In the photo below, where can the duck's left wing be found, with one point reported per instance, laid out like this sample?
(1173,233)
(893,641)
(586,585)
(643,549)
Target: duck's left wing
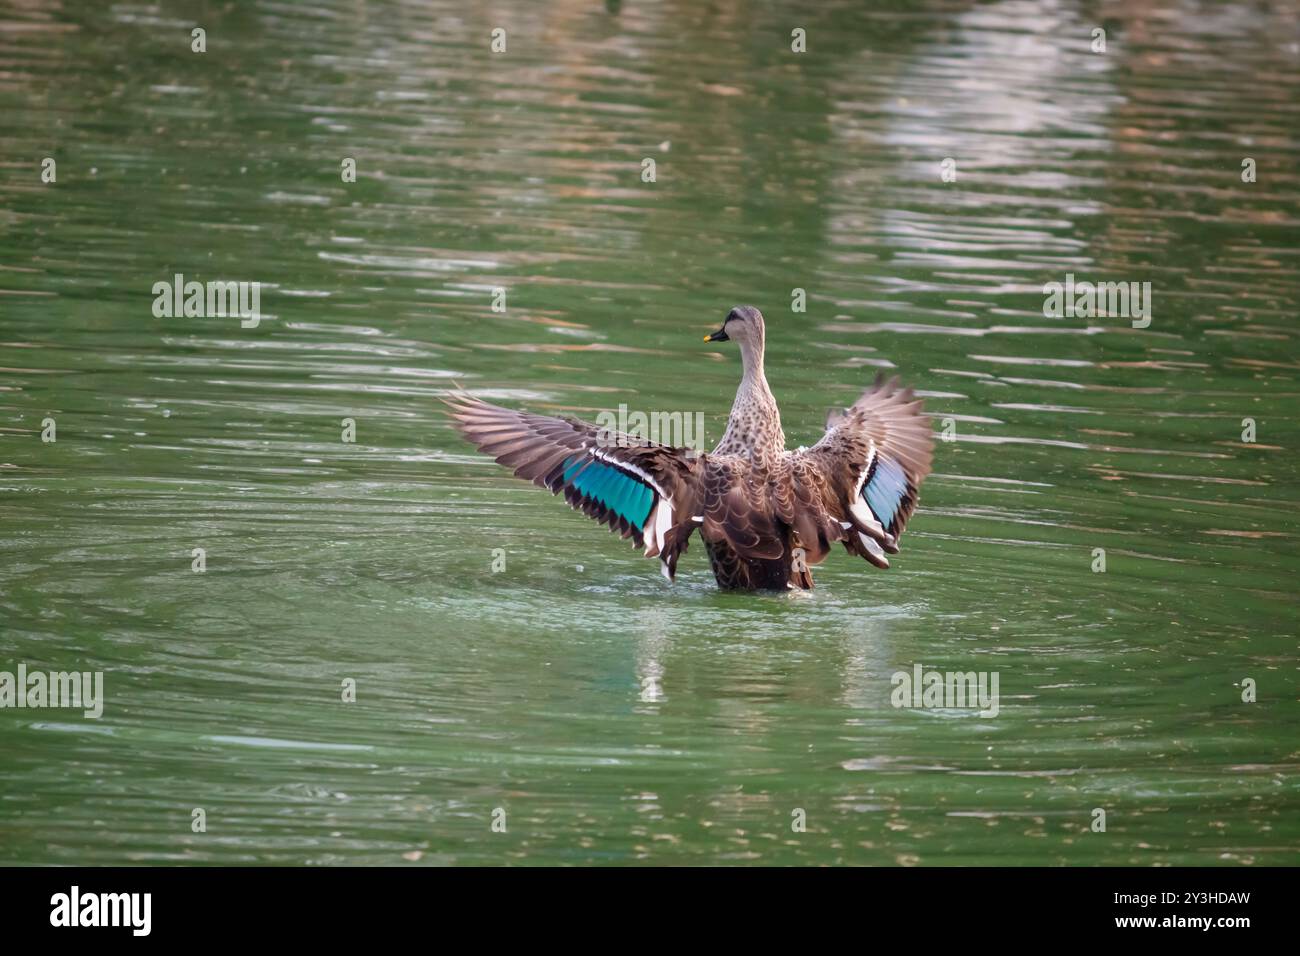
(872,459)
(639,489)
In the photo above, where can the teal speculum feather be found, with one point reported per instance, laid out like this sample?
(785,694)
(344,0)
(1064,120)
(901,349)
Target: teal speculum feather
(618,491)
(885,491)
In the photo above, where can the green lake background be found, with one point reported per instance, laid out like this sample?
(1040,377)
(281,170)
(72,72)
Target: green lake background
(612,718)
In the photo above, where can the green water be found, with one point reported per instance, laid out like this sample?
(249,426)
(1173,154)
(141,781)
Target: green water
(615,719)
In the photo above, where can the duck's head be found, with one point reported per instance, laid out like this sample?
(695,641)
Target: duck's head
(743,324)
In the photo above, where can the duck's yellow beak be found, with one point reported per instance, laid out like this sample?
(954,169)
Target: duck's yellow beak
(718,336)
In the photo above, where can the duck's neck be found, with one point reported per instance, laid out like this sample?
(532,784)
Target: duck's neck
(754,427)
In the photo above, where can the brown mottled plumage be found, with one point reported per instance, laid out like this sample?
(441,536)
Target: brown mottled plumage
(766,515)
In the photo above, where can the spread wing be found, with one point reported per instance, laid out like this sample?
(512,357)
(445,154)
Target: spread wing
(872,460)
(639,489)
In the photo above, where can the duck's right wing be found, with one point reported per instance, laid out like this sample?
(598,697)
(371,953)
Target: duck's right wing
(872,460)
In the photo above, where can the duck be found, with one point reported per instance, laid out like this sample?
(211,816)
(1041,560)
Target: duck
(766,515)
